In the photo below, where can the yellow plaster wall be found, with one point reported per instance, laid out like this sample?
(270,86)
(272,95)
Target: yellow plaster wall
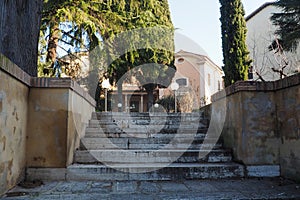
(80,112)
(41,121)
(57,120)
(47,127)
(13,118)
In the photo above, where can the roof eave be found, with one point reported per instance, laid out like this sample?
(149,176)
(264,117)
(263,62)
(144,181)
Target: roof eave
(259,9)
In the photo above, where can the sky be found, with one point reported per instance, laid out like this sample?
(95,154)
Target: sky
(198,20)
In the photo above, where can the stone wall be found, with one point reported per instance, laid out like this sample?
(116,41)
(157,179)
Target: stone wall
(41,122)
(262,123)
(58,117)
(13,122)
(288,124)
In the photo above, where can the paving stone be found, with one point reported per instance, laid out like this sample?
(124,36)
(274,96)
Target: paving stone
(125,186)
(133,197)
(263,171)
(267,194)
(45,187)
(232,185)
(71,187)
(149,187)
(201,196)
(160,190)
(22,197)
(73,197)
(100,187)
(203,186)
(173,187)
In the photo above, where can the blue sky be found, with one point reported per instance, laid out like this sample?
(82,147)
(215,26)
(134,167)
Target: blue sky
(199,21)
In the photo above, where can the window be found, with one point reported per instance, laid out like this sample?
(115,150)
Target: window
(180,60)
(182,82)
(219,85)
(208,79)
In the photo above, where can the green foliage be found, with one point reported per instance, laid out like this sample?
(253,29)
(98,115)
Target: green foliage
(167,102)
(109,18)
(288,23)
(98,26)
(236,55)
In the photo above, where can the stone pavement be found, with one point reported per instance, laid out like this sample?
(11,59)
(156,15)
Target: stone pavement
(187,189)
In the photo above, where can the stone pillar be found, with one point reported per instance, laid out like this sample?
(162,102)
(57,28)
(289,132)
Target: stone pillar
(126,103)
(142,103)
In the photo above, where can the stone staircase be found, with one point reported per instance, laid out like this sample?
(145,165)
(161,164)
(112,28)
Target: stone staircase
(155,146)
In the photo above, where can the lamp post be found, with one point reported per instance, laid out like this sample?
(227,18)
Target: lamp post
(175,87)
(106,86)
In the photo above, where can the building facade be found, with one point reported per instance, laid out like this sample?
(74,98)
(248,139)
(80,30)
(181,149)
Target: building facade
(199,74)
(267,63)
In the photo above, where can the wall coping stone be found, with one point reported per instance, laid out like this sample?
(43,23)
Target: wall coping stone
(34,82)
(270,86)
(61,83)
(12,69)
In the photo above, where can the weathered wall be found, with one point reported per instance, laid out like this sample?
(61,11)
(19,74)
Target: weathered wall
(250,128)
(13,118)
(47,127)
(41,121)
(288,112)
(262,123)
(58,116)
(80,112)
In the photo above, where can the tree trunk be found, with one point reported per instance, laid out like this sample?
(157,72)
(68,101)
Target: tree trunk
(149,89)
(150,98)
(52,43)
(19,32)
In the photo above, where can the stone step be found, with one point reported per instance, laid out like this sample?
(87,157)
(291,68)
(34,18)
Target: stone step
(155,139)
(116,129)
(157,121)
(119,115)
(157,124)
(146,122)
(152,156)
(123,146)
(174,171)
(152,120)
(161,146)
(149,127)
(101,134)
(149,143)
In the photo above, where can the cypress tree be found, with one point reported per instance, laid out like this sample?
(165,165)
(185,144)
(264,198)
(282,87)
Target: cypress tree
(235,53)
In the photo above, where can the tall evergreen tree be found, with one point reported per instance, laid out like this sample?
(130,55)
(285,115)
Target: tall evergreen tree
(145,15)
(235,53)
(108,18)
(288,23)
(70,22)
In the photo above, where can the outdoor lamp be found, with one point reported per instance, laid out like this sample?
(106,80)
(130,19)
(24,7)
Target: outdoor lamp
(175,87)
(106,86)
